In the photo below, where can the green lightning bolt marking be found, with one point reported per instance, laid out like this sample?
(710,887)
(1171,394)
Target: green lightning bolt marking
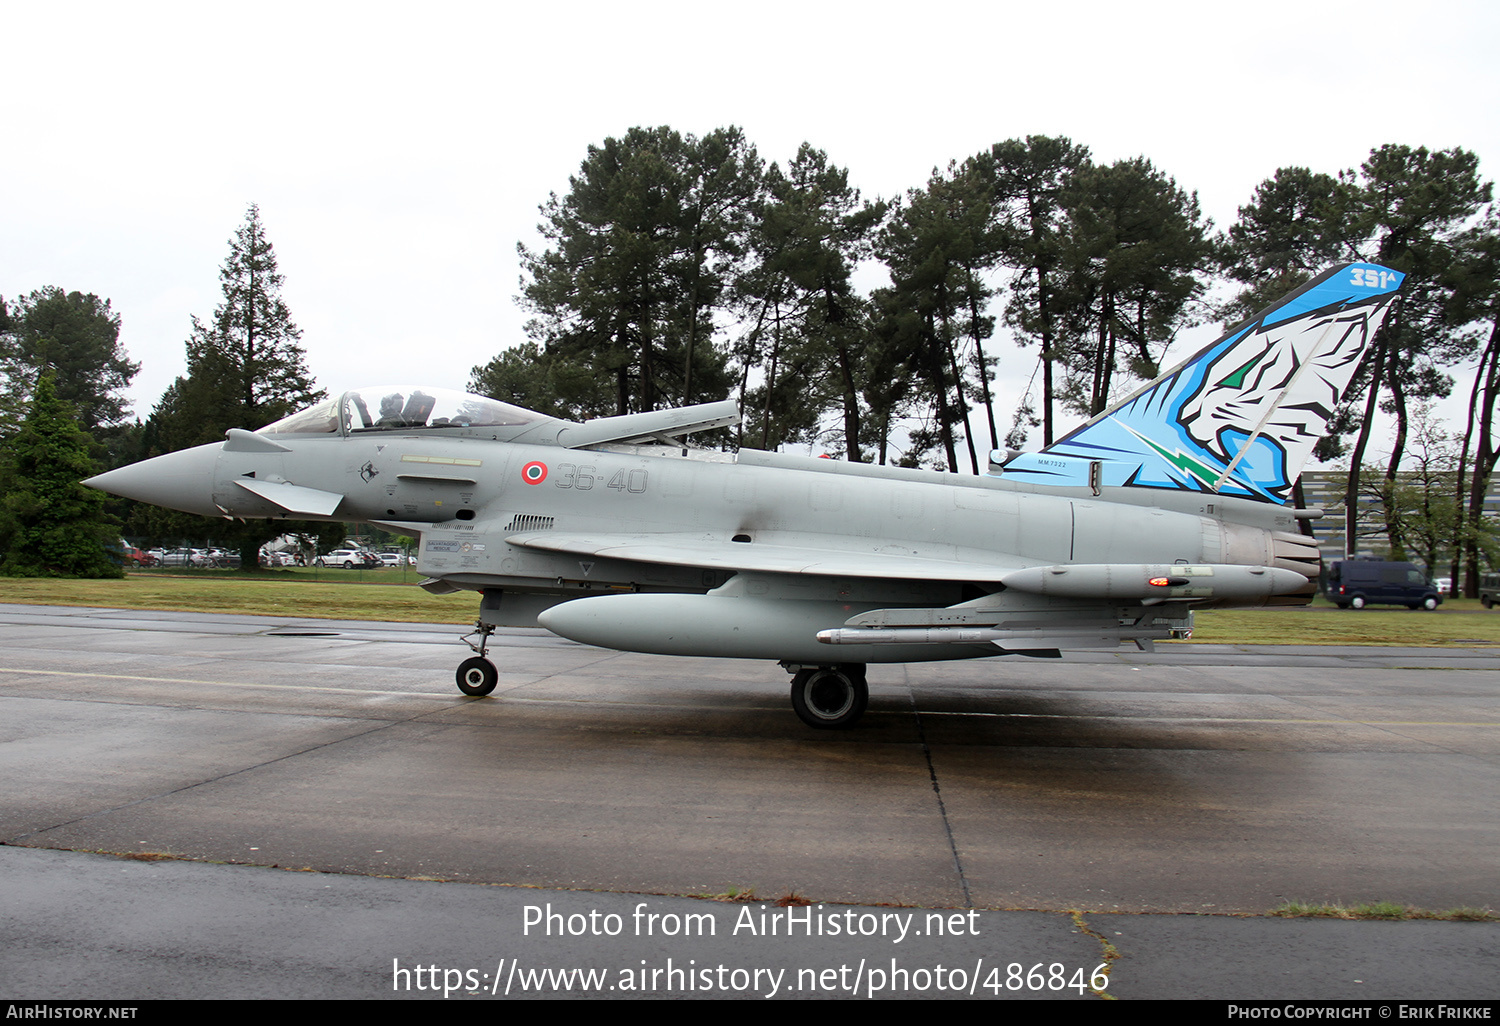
(1205,474)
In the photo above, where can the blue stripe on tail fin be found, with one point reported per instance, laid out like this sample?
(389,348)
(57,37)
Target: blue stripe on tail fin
(1241,416)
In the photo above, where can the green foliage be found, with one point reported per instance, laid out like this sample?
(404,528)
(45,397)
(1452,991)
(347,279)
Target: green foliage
(637,258)
(77,337)
(798,305)
(1475,304)
(938,246)
(1132,253)
(15,376)
(1298,223)
(246,369)
(1031,177)
(545,381)
(50,524)
(1424,502)
(1390,910)
(665,239)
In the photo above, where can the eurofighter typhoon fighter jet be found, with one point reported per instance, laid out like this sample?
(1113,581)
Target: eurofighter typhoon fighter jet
(615,532)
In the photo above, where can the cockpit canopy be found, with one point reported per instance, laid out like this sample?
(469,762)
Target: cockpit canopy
(400,408)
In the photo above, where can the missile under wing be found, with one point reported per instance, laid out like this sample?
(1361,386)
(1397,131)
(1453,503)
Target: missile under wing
(617,532)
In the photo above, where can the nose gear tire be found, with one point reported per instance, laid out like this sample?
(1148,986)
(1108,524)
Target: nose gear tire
(477,677)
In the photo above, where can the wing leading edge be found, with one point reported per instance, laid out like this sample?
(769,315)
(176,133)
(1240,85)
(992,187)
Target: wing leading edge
(827,557)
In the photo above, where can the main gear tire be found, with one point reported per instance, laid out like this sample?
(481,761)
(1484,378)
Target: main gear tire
(830,697)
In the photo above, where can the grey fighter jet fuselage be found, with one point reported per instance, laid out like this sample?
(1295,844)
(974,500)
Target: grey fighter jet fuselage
(615,532)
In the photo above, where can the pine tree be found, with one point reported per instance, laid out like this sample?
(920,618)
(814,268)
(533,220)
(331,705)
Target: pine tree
(1031,178)
(1131,257)
(639,251)
(50,524)
(798,304)
(546,382)
(77,336)
(1298,223)
(938,246)
(15,376)
(246,368)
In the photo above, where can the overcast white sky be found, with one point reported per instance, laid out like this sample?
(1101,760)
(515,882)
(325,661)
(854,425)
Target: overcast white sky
(399,153)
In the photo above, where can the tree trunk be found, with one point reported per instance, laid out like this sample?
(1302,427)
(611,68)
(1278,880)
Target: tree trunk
(851,407)
(958,391)
(765,421)
(1351,496)
(1485,458)
(1041,291)
(750,355)
(940,391)
(984,376)
(1393,529)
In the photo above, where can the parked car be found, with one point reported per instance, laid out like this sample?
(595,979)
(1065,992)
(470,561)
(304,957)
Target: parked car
(349,559)
(132,556)
(1489,590)
(184,557)
(224,559)
(390,558)
(1356,583)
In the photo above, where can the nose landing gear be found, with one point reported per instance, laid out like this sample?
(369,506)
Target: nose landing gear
(477,676)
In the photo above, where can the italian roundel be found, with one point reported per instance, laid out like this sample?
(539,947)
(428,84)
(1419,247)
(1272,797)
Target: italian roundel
(534,473)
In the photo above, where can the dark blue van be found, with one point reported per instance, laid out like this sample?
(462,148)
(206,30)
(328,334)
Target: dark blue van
(1356,583)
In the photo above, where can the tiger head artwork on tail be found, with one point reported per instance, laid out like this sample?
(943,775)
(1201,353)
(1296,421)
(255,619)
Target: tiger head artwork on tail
(1241,416)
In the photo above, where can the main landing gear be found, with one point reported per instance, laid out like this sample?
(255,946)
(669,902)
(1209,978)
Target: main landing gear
(829,697)
(477,676)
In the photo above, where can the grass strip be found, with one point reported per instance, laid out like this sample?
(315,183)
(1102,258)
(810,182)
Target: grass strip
(1382,910)
(229,593)
(393,595)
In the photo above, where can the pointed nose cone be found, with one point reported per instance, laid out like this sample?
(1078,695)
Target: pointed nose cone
(179,480)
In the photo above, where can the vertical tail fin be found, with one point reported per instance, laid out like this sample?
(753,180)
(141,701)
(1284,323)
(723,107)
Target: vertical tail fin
(1241,416)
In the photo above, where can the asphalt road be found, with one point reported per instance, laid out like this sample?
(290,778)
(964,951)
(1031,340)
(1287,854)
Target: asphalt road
(1201,779)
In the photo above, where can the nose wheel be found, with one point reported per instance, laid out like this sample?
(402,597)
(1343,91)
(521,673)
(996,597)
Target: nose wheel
(830,697)
(477,676)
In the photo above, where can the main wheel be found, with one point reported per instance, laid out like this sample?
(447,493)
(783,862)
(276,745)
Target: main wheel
(1487,602)
(348,565)
(1358,602)
(1429,603)
(830,698)
(477,676)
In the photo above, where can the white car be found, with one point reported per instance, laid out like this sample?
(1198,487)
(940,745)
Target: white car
(346,558)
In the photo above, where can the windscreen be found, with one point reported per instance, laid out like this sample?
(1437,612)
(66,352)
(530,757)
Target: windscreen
(400,408)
